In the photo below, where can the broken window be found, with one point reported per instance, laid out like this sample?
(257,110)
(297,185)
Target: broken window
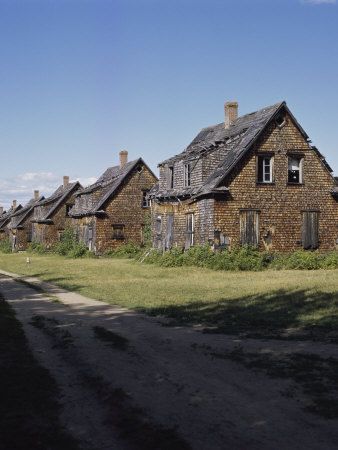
(249,227)
(145,199)
(265,169)
(118,231)
(190,230)
(68,208)
(187,175)
(310,232)
(295,169)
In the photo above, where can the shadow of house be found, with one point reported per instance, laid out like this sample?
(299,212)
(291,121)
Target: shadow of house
(114,210)
(51,215)
(252,180)
(21,226)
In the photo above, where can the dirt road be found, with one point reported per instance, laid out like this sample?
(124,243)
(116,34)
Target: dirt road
(128,381)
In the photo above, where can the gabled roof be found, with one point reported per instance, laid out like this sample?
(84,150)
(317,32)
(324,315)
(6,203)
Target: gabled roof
(6,217)
(20,216)
(234,142)
(108,184)
(53,202)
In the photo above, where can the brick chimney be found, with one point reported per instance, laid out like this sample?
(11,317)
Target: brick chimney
(14,204)
(231,113)
(123,158)
(1,210)
(65,181)
(36,195)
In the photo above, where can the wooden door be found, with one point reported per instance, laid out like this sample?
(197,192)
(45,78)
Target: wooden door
(249,227)
(310,232)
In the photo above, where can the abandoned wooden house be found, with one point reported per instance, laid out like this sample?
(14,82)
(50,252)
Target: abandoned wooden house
(115,209)
(5,219)
(51,215)
(251,180)
(20,225)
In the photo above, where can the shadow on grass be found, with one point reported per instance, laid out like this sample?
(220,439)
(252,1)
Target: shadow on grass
(279,314)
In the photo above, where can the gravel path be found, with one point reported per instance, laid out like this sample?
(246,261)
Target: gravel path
(130,382)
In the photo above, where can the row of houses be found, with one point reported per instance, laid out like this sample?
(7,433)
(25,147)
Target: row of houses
(250,180)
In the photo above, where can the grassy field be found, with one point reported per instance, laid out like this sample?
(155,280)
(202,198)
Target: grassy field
(268,303)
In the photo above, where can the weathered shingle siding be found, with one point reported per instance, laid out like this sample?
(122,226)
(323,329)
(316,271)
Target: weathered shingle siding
(280,204)
(125,208)
(48,234)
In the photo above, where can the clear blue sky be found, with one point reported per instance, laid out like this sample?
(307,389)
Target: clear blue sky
(81,80)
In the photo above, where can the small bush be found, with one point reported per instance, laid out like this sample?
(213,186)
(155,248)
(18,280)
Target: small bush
(70,246)
(35,247)
(5,246)
(129,250)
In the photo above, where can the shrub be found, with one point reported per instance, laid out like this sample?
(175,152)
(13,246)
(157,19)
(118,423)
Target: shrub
(35,247)
(129,250)
(70,246)
(5,246)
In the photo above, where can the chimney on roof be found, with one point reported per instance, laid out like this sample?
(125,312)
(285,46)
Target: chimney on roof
(123,158)
(231,113)
(1,210)
(14,204)
(65,181)
(36,195)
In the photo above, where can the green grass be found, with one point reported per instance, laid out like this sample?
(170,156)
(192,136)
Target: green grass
(251,303)
(29,411)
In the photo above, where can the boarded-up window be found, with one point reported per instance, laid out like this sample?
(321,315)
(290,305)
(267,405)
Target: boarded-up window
(169,231)
(118,231)
(310,230)
(249,227)
(190,230)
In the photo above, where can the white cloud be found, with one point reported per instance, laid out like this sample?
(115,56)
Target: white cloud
(21,187)
(319,2)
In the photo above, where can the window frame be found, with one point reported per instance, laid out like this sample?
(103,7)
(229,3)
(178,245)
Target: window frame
(68,208)
(300,158)
(119,236)
(170,184)
(190,231)
(260,160)
(187,174)
(145,199)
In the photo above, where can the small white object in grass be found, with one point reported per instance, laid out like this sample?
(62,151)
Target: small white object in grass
(28,260)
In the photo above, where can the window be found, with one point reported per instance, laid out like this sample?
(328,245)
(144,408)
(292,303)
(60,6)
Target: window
(295,169)
(169,231)
(118,231)
(280,121)
(187,175)
(170,177)
(145,199)
(249,227)
(190,231)
(68,208)
(265,169)
(310,231)
(158,225)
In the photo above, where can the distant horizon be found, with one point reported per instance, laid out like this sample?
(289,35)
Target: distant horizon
(81,81)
